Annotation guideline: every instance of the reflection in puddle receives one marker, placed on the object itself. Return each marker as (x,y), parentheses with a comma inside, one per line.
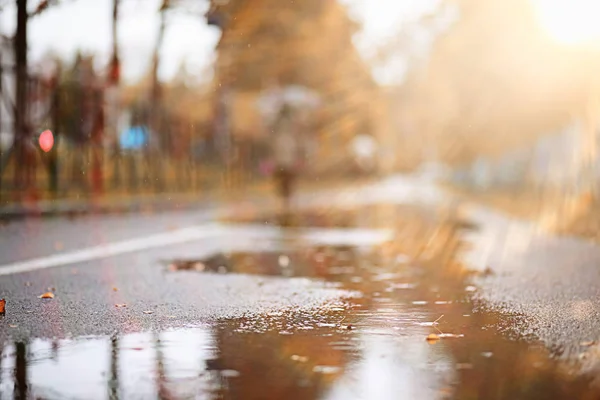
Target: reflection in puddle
(391,369)
(372,346)
(319,261)
(172,364)
(305,354)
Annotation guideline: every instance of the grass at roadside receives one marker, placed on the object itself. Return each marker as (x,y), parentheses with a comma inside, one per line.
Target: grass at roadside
(556,212)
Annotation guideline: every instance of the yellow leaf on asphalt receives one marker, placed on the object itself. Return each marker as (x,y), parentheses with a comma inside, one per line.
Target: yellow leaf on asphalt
(432,337)
(47,295)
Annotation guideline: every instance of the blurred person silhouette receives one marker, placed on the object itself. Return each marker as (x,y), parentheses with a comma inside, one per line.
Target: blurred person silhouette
(286,153)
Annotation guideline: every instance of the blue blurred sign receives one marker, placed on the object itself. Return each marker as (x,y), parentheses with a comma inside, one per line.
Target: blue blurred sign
(134,138)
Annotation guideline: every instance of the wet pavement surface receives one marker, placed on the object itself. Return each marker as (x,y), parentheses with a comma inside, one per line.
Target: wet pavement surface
(333,301)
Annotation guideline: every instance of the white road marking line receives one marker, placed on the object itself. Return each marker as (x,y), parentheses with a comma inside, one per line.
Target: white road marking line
(113,249)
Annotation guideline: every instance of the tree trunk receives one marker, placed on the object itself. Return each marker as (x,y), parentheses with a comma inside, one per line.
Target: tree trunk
(112,98)
(156,94)
(156,138)
(53,157)
(20,111)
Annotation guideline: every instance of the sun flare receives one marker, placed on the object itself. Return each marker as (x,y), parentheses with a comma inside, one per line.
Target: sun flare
(569,22)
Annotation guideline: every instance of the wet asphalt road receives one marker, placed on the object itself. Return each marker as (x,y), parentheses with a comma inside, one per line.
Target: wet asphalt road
(336,306)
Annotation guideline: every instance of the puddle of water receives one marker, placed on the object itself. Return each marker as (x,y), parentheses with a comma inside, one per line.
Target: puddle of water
(379,344)
(170,364)
(374,349)
(304,355)
(333,262)
(374,346)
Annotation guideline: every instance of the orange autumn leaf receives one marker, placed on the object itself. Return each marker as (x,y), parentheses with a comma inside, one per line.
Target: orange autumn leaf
(432,337)
(47,295)
(2,306)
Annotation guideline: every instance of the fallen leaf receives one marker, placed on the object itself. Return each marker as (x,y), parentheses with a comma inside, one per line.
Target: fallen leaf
(115,289)
(120,305)
(13,326)
(47,295)
(148,312)
(432,337)
(2,306)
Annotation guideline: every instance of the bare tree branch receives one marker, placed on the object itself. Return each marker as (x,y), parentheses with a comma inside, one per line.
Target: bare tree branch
(41,7)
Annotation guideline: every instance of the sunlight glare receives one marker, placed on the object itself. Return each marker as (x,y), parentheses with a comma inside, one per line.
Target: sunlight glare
(569,22)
